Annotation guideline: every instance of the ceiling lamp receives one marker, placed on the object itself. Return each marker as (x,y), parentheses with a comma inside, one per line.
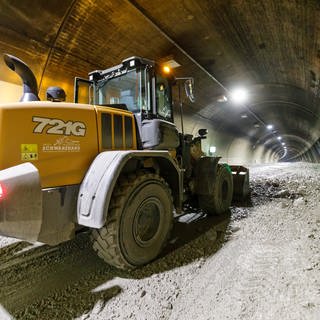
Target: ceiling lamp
(172,64)
(212,149)
(239,95)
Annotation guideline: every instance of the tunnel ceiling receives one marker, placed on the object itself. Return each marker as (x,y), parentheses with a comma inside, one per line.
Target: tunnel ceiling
(270,47)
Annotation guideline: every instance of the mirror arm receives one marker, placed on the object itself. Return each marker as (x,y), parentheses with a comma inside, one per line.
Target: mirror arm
(181,109)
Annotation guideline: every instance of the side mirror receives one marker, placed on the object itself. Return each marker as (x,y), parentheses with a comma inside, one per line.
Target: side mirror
(202,132)
(189,88)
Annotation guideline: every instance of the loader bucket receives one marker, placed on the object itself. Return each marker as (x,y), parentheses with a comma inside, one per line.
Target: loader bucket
(240,176)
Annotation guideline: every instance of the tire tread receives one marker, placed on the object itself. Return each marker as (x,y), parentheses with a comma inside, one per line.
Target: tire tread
(105,241)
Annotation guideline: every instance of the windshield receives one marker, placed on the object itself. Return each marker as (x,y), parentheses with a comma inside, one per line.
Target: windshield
(131,89)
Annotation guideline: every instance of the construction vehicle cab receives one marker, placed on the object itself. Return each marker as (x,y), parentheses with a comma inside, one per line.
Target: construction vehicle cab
(140,86)
(135,83)
(113,162)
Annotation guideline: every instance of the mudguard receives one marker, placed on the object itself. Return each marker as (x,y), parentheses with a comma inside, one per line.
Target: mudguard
(98,184)
(21,204)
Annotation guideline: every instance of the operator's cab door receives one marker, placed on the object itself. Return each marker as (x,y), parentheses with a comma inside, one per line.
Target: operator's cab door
(83,91)
(158,131)
(163,97)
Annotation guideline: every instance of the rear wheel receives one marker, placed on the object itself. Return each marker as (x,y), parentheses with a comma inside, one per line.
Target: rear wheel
(220,200)
(138,222)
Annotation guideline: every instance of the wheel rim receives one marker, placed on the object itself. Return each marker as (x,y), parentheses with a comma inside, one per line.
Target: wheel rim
(147,221)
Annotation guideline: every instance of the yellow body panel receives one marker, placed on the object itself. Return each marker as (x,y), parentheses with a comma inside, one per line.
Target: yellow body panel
(113,114)
(60,139)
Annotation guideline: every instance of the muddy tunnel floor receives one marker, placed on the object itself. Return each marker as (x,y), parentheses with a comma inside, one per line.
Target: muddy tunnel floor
(261,260)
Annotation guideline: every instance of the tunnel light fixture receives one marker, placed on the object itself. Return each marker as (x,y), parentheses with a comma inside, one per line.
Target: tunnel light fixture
(270,126)
(244,116)
(283,143)
(239,95)
(172,64)
(168,65)
(279,138)
(212,149)
(222,98)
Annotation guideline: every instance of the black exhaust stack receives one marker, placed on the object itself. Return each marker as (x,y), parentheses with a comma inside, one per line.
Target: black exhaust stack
(30,87)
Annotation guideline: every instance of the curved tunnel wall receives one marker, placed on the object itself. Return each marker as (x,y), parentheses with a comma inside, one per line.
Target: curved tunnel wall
(234,41)
(231,149)
(312,155)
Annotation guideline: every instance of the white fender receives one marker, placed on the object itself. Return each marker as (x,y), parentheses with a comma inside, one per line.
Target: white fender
(98,184)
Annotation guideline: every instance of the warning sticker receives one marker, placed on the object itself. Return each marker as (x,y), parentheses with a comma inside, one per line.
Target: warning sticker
(29,152)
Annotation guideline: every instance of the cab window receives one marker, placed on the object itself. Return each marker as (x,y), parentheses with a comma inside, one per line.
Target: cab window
(131,89)
(163,97)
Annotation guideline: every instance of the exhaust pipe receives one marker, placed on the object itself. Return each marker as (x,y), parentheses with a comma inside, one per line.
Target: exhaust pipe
(30,86)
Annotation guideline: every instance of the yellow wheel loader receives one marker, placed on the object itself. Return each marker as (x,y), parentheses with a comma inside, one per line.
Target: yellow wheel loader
(112,161)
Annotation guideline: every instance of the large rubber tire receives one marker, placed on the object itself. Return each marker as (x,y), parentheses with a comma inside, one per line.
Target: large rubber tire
(220,200)
(138,223)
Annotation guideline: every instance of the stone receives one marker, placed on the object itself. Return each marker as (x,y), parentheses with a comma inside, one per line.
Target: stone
(298,202)
(282,193)
(143,293)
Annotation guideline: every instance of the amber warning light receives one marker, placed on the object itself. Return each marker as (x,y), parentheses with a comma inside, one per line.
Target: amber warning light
(166,69)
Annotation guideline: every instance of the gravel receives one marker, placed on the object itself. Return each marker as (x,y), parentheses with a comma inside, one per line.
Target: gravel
(259,261)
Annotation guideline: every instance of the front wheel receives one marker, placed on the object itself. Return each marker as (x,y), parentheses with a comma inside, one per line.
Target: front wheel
(220,200)
(138,222)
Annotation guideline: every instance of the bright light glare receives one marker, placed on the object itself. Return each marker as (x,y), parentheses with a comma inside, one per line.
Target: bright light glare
(279,138)
(239,95)
(166,69)
(283,143)
(269,126)
(212,149)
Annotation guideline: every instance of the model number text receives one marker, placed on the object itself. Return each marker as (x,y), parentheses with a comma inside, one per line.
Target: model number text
(57,126)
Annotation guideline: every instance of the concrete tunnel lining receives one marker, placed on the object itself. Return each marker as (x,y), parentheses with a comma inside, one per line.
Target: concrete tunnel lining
(54,40)
(259,260)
